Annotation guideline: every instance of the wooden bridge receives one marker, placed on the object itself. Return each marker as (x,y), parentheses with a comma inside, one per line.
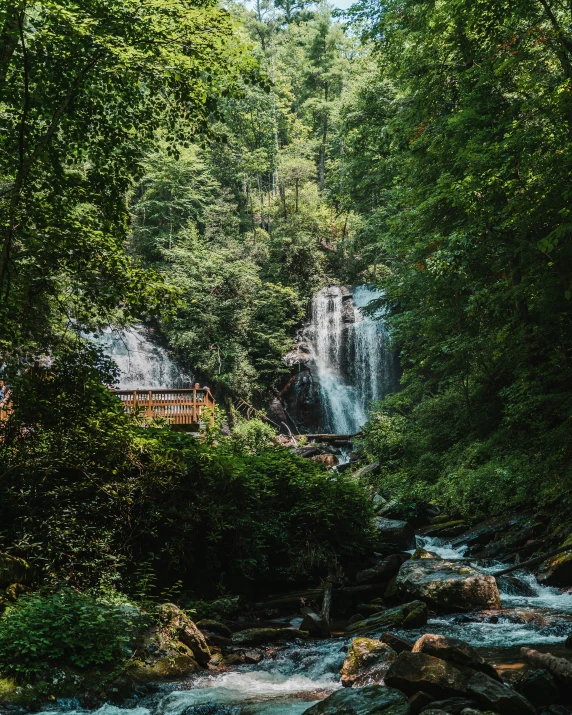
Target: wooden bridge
(184,408)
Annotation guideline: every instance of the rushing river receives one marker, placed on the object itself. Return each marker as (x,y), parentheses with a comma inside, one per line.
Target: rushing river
(291,678)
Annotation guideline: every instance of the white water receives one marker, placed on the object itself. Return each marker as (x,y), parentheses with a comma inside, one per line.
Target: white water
(286,684)
(549,609)
(141,361)
(352,360)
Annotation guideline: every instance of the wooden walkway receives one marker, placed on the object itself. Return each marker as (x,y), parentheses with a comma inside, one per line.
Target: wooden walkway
(185,408)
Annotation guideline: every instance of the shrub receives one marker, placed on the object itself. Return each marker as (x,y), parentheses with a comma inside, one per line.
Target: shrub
(61,629)
(253,435)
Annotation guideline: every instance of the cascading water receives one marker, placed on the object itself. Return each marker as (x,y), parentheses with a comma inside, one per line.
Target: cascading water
(141,361)
(352,362)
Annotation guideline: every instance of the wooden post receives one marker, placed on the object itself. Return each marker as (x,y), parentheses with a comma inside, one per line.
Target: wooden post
(195,409)
(328,589)
(134,408)
(150,405)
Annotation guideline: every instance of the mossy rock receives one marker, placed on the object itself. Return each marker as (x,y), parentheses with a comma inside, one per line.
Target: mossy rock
(408,615)
(366,662)
(14,570)
(447,585)
(165,668)
(557,571)
(216,627)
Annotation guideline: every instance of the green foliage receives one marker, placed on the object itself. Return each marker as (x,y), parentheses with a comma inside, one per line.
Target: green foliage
(458,146)
(99,502)
(84,89)
(254,435)
(61,629)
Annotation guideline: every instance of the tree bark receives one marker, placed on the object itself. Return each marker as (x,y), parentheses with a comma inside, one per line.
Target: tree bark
(9,39)
(535,560)
(322,173)
(566,44)
(560,668)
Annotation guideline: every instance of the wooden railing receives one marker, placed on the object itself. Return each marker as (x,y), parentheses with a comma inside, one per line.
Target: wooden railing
(179,407)
(4,407)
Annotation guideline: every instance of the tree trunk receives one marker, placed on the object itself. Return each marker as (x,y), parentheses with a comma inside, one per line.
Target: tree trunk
(322,173)
(9,39)
(560,668)
(534,561)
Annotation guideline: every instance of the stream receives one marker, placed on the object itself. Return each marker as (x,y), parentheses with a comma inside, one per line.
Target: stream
(291,678)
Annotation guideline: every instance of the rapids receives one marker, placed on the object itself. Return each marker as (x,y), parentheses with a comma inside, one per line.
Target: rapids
(292,678)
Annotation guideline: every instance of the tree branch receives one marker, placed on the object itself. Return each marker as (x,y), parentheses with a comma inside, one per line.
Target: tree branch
(564,41)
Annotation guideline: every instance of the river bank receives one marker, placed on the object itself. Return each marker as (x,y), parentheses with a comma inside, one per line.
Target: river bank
(263,661)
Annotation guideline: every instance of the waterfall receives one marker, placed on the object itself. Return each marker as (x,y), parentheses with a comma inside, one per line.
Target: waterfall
(141,361)
(351,358)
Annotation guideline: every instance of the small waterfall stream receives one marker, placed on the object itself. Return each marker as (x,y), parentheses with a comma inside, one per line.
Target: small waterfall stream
(352,362)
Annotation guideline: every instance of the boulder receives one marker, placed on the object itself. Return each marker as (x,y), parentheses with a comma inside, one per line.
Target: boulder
(173,666)
(383,571)
(259,636)
(419,701)
(412,672)
(328,460)
(454,651)
(180,626)
(368,469)
(366,662)
(421,553)
(216,627)
(394,534)
(568,642)
(252,657)
(492,695)
(452,706)
(371,700)
(538,687)
(370,609)
(408,615)
(446,585)
(398,644)
(316,625)
(378,502)
(557,571)
(170,648)
(307,452)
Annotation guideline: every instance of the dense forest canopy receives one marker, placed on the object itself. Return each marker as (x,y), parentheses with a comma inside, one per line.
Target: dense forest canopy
(206,169)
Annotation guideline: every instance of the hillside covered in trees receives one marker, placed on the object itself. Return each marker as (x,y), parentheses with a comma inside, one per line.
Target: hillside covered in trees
(206,169)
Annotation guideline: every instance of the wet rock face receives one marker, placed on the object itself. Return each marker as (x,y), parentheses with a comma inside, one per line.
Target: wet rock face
(454,651)
(491,695)
(171,649)
(414,672)
(371,700)
(394,533)
(259,636)
(557,571)
(447,585)
(383,571)
(453,706)
(182,628)
(316,625)
(408,615)
(539,687)
(366,662)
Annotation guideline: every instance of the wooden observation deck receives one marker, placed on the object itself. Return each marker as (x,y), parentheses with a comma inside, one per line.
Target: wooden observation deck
(186,408)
